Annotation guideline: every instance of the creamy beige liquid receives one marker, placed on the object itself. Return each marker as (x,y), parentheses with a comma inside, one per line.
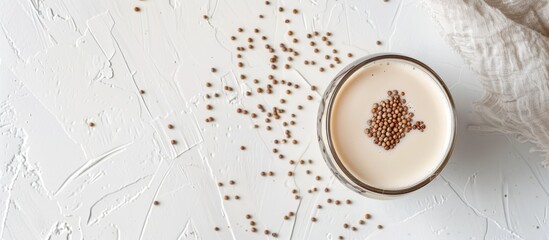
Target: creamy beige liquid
(418,154)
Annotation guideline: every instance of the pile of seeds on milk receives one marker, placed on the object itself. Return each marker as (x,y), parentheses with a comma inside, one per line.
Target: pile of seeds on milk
(391,120)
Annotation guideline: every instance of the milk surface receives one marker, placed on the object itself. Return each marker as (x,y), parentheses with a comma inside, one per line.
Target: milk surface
(418,154)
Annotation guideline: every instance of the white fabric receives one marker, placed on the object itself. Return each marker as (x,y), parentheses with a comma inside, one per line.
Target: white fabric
(506,42)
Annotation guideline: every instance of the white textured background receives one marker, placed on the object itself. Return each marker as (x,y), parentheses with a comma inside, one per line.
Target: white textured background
(66,63)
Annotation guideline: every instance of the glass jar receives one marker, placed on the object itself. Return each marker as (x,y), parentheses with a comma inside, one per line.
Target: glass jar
(326,145)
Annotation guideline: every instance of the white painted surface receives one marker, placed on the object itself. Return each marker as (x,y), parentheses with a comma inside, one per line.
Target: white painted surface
(65,63)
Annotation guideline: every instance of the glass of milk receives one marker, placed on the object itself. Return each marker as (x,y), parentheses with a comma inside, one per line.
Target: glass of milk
(345,109)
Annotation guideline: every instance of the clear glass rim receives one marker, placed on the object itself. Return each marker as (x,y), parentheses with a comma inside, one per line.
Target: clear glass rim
(324,117)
